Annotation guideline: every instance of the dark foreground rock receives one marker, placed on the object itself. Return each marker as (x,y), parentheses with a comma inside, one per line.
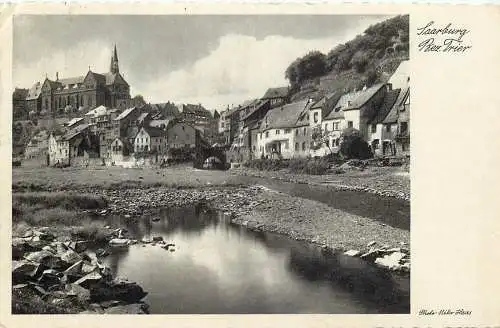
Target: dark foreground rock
(67,278)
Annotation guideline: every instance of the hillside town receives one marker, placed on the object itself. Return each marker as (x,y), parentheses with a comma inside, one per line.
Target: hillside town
(92,118)
(287,192)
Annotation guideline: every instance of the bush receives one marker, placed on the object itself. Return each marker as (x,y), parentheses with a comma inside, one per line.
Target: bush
(353,146)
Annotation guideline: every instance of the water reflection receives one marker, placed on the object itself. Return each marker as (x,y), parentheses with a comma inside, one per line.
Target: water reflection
(223,268)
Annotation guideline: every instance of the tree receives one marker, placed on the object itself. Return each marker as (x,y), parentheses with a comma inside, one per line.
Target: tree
(320,137)
(139,100)
(353,145)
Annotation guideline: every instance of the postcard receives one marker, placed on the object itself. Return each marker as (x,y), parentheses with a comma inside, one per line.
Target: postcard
(250,165)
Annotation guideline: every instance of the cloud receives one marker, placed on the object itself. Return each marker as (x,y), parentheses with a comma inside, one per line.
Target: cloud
(240,68)
(74,61)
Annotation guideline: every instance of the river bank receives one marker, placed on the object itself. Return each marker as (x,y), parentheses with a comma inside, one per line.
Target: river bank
(75,207)
(383,181)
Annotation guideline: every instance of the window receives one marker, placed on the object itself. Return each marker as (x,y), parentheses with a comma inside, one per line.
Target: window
(326,127)
(304,145)
(404,127)
(374,128)
(388,128)
(308,117)
(277,131)
(287,130)
(350,124)
(336,126)
(267,134)
(315,115)
(337,142)
(297,132)
(304,131)
(286,144)
(296,146)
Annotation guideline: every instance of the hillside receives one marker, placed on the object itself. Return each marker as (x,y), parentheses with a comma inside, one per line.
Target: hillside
(365,60)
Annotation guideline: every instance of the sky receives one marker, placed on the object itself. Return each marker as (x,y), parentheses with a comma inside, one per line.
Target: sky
(213,60)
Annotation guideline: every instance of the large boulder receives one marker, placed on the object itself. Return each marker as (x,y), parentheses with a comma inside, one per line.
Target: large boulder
(47,259)
(119,242)
(128,292)
(23,271)
(50,278)
(70,257)
(89,280)
(76,290)
(391,261)
(20,246)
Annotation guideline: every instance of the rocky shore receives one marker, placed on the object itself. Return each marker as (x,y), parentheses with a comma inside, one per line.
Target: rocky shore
(258,208)
(53,276)
(386,185)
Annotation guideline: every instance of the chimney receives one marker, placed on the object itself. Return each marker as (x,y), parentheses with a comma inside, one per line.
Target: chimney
(57,76)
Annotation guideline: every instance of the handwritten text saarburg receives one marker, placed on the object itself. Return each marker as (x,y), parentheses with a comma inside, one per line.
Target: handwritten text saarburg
(445,38)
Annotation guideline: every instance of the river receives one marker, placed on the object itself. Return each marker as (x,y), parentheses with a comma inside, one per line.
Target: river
(220,268)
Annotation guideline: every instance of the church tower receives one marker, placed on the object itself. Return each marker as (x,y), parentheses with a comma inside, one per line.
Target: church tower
(114,62)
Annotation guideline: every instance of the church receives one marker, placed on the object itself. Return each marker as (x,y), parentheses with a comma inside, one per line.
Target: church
(54,97)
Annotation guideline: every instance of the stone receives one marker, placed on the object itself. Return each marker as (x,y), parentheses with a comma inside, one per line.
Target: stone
(49,278)
(371,255)
(146,240)
(89,267)
(136,308)
(352,252)
(119,242)
(157,238)
(76,290)
(75,269)
(101,252)
(370,244)
(89,280)
(70,257)
(79,246)
(390,261)
(23,271)
(128,292)
(20,246)
(107,304)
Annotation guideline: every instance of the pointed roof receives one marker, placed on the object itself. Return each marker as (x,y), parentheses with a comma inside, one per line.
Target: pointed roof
(280,92)
(359,98)
(115,54)
(389,101)
(285,116)
(392,116)
(35,91)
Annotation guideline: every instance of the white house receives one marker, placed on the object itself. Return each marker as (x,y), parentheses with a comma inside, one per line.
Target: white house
(150,139)
(284,132)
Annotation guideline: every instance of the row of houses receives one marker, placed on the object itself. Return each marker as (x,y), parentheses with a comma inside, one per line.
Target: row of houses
(114,135)
(272,126)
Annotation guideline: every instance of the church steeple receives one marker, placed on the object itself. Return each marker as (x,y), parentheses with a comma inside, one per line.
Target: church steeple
(114,62)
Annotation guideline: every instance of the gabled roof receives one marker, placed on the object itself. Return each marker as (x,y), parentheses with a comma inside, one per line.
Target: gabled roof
(327,103)
(73,121)
(255,106)
(400,78)
(74,132)
(196,109)
(280,92)
(142,117)
(126,144)
(35,91)
(389,101)
(125,113)
(71,80)
(359,98)
(159,123)
(98,111)
(285,116)
(154,132)
(392,116)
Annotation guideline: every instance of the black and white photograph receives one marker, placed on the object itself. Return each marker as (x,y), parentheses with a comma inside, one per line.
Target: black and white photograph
(211,164)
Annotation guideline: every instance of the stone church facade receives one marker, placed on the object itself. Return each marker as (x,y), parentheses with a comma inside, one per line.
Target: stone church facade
(84,92)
